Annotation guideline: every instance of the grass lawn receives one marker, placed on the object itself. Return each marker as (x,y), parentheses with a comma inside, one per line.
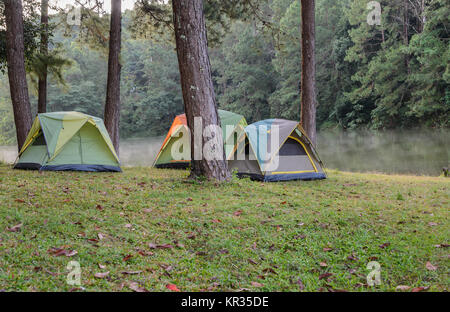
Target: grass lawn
(151,228)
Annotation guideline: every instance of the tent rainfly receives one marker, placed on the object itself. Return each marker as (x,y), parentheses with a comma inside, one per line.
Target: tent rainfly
(175,151)
(292,157)
(62,141)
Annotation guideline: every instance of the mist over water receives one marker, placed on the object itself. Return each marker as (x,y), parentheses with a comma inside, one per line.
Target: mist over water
(140,152)
(418,152)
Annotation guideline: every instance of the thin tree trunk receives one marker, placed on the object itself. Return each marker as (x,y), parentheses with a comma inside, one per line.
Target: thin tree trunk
(406,32)
(112,105)
(42,92)
(308,83)
(405,22)
(422,16)
(197,86)
(16,69)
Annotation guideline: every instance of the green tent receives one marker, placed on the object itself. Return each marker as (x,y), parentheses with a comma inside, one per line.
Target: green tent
(175,151)
(68,141)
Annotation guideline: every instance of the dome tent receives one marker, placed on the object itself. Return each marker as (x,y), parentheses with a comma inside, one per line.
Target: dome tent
(178,140)
(293,157)
(68,141)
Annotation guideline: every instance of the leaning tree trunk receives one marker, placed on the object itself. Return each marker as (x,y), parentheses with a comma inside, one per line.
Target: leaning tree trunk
(112,106)
(16,69)
(197,87)
(42,85)
(308,83)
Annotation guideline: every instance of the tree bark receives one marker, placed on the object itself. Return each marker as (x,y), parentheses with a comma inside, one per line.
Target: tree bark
(405,22)
(197,86)
(16,69)
(42,85)
(308,83)
(422,16)
(112,105)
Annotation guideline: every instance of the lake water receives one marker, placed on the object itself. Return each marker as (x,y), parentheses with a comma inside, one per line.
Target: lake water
(420,152)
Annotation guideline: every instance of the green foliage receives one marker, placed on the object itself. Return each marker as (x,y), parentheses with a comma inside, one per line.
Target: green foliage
(244,75)
(153,18)
(401,65)
(430,79)
(285,101)
(32,29)
(7,129)
(52,63)
(367,76)
(152,92)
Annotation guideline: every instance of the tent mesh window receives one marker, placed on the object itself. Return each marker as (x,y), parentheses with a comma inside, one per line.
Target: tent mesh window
(39,140)
(292,148)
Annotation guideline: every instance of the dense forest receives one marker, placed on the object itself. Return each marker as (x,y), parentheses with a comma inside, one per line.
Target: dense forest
(393,75)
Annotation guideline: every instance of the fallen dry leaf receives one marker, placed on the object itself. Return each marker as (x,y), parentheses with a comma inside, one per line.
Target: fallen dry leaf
(323,264)
(402,287)
(135,286)
(326,249)
(419,289)
(127,257)
(71,253)
(15,228)
(157,246)
(384,245)
(131,272)
(101,275)
(165,246)
(172,287)
(237,213)
(430,267)
(256,284)
(269,270)
(325,275)
(62,252)
(300,284)
(145,253)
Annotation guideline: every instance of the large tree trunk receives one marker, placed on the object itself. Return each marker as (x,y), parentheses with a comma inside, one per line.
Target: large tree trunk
(42,92)
(16,69)
(197,86)
(112,105)
(308,83)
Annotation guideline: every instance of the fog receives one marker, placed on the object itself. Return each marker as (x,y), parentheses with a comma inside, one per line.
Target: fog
(140,152)
(419,152)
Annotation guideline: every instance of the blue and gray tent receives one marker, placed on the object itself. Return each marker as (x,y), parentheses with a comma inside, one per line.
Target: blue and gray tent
(276,150)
